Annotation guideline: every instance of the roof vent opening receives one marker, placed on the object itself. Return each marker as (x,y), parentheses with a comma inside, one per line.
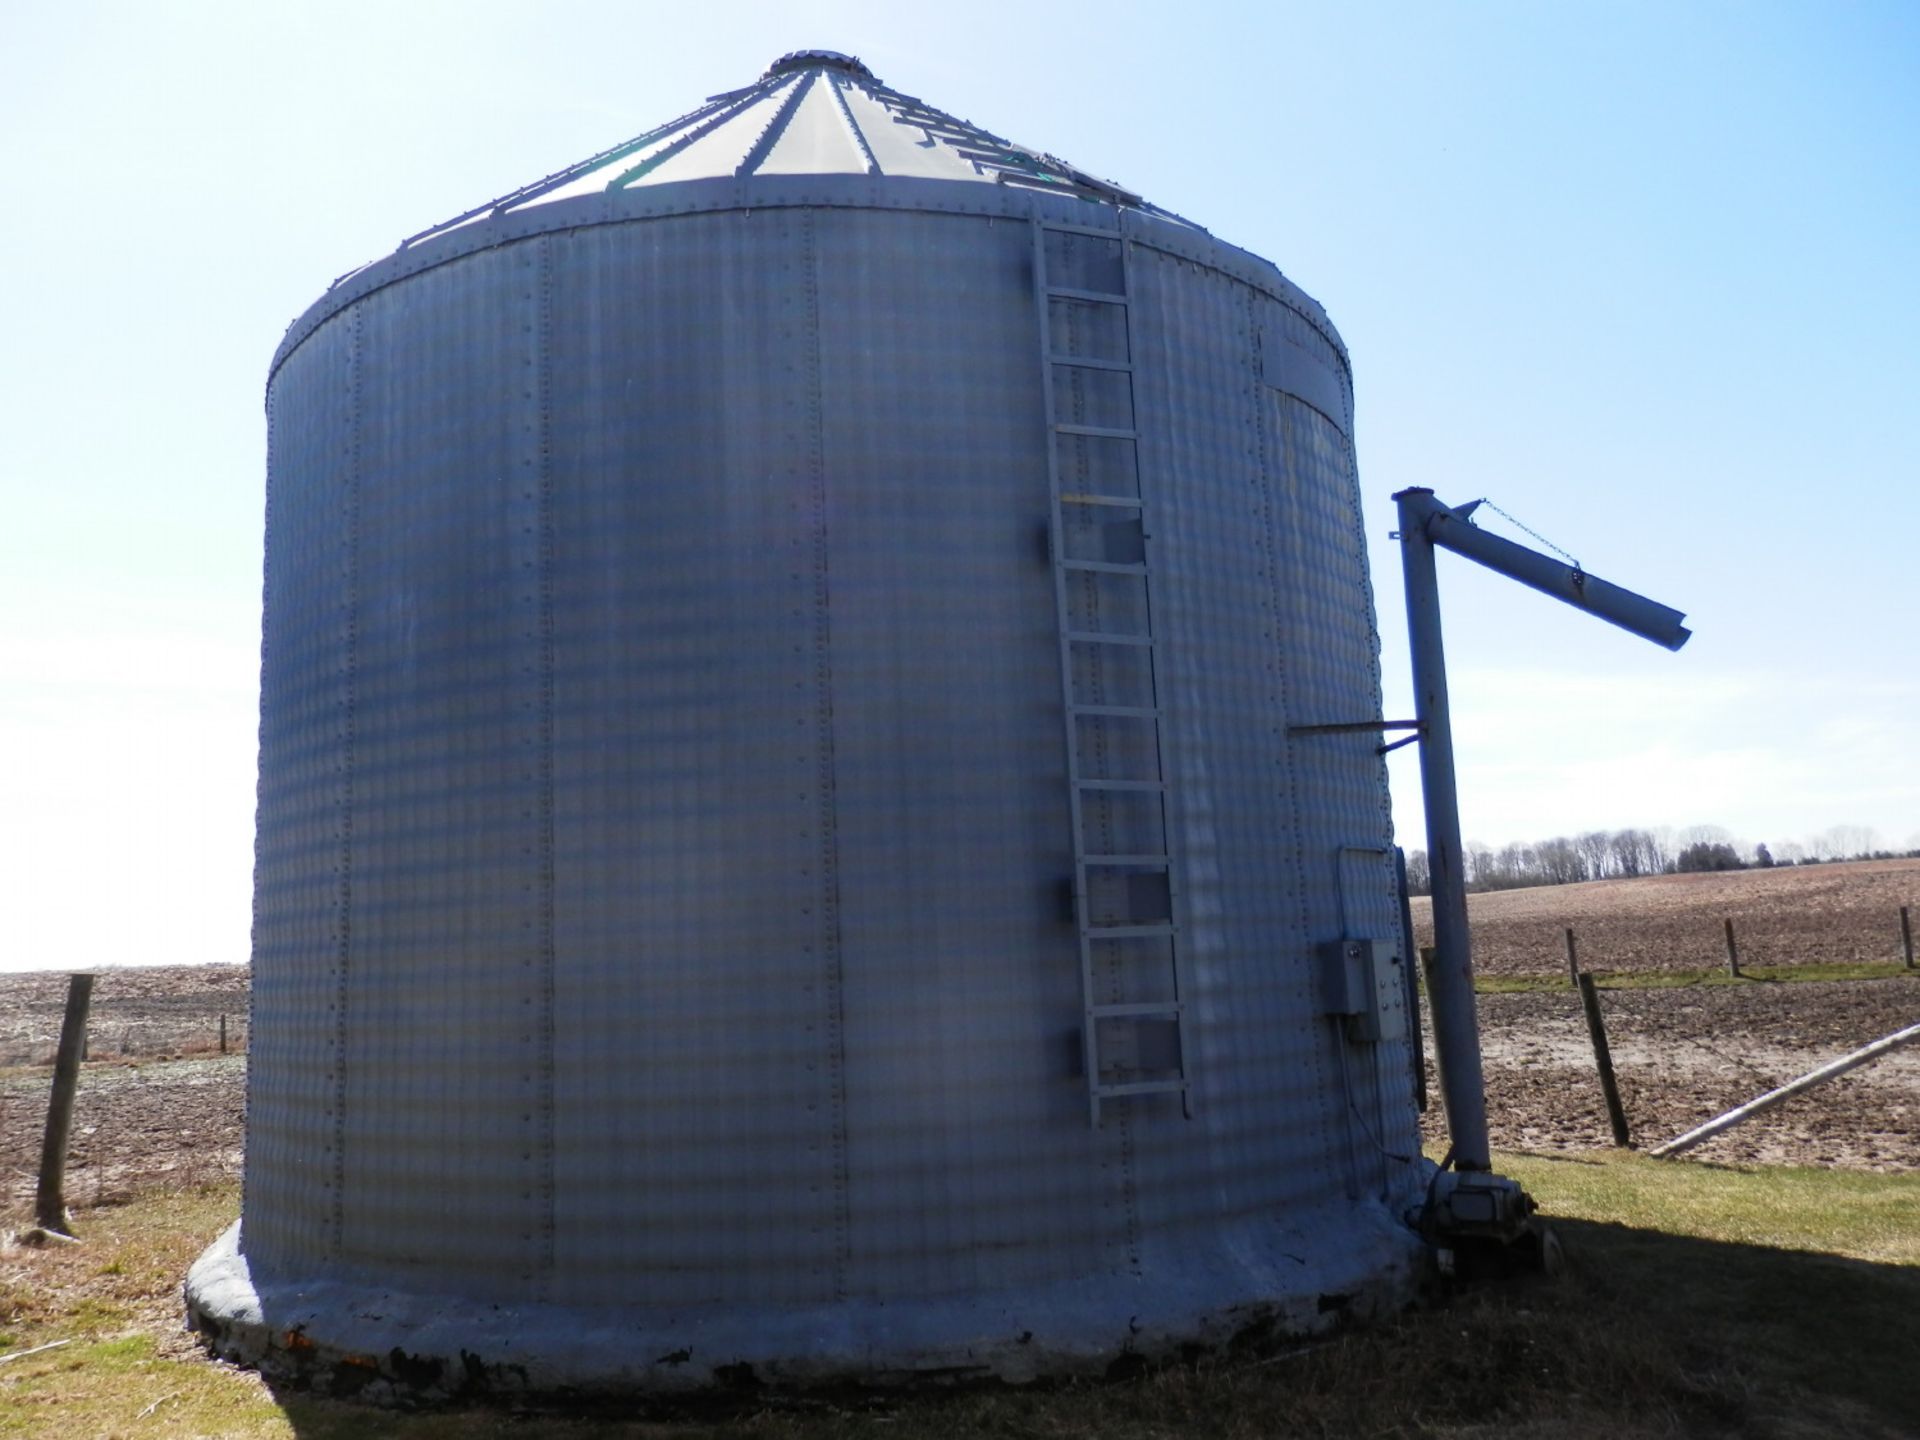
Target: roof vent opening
(817,60)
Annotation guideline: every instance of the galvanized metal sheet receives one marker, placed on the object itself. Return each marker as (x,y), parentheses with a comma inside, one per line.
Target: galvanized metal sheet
(904,150)
(664,812)
(707,151)
(698,1119)
(812,114)
(817,139)
(1299,371)
(703,815)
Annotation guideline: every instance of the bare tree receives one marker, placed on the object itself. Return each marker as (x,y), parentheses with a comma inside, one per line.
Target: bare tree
(1660,849)
(1477,862)
(1596,849)
(1845,842)
(1559,862)
(1626,852)
(1603,854)
(1419,873)
(1638,852)
(1703,835)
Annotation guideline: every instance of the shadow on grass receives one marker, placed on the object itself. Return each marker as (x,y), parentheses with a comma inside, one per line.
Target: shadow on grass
(1646,1334)
(1823,1325)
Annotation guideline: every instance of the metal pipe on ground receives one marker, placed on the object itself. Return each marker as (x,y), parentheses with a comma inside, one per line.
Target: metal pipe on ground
(1832,1069)
(50,1201)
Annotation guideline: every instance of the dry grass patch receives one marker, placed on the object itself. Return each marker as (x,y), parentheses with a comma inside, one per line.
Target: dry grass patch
(128,1368)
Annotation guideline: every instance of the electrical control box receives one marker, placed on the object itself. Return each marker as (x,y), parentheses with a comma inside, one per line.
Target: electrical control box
(1364,982)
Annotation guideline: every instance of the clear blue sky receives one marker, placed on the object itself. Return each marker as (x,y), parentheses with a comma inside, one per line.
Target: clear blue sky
(1647,275)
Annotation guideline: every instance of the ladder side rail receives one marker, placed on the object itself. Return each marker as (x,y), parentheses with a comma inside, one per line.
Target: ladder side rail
(1155,683)
(1056,539)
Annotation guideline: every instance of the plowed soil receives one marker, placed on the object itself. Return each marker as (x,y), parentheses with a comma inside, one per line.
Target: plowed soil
(1684,1055)
(134,1126)
(157,1102)
(1803,914)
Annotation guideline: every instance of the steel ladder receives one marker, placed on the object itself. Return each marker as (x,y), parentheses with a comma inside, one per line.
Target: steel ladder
(1124,894)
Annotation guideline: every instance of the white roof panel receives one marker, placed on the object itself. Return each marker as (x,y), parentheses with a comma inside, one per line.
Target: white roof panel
(904,149)
(814,112)
(817,139)
(710,150)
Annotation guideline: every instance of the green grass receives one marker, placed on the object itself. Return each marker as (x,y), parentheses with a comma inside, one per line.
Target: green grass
(1857,1214)
(1676,979)
(1698,1300)
(1811,1276)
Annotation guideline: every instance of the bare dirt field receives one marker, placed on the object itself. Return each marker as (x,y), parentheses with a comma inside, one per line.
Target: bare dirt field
(1684,1055)
(157,1101)
(163,1010)
(134,1126)
(1803,914)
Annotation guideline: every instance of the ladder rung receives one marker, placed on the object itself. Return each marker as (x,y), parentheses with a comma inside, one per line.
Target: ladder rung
(1107,637)
(1159,930)
(1087,362)
(1123,860)
(1099,297)
(1121,784)
(1121,1012)
(1107,567)
(1125,712)
(1106,432)
(1142,1087)
(1080,497)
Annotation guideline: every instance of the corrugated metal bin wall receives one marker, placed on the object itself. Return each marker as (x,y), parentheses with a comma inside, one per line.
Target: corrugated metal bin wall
(664,822)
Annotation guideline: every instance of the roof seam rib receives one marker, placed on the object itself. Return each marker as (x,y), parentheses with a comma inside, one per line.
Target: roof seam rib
(561,177)
(667,152)
(777,126)
(999,152)
(892,135)
(835,86)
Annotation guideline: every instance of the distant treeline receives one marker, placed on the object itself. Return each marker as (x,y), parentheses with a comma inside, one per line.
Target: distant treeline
(1624,854)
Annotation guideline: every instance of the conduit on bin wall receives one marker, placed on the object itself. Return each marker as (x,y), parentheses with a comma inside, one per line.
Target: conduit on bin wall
(779,844)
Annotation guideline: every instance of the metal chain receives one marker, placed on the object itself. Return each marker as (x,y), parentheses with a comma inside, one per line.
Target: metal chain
(1534,533)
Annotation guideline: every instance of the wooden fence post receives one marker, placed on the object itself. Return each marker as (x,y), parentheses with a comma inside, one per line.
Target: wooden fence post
(1573,962)
(1603,1061)
(223,1034)
(1906,936)
(1733,953)
(50,1201)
